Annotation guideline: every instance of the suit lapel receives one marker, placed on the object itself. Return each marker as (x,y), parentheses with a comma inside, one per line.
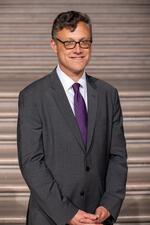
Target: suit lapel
(64,106)
(92,108)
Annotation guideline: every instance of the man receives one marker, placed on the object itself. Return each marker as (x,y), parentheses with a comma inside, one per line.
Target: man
(71,144)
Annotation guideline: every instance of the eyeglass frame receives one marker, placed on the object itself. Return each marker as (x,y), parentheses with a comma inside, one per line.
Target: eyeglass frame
(75,43)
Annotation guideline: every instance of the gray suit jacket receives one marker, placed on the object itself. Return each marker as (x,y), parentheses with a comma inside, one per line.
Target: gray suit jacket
(62,174)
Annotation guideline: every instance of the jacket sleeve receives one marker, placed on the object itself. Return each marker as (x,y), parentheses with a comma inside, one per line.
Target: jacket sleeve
(40,180)
(117,166)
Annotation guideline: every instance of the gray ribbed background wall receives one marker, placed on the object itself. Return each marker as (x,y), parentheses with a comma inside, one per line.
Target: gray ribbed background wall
(121,56)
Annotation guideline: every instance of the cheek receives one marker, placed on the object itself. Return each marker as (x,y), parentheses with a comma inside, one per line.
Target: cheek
(89,52)
(64,56)
(88,55)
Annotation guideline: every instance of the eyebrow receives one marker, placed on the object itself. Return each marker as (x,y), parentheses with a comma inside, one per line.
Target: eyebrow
(81,39)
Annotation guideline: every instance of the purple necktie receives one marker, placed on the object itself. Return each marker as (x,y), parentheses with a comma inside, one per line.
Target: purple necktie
(80,111)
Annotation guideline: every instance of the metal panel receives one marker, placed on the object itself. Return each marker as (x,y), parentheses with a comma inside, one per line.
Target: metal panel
(121,56)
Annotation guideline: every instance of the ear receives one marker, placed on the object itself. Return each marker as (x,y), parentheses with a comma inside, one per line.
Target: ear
(53,45)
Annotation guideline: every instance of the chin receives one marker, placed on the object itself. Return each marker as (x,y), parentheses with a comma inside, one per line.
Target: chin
(78,72)
(78,67)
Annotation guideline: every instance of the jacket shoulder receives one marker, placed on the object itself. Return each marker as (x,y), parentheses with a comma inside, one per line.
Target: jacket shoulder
(37,87)
(101,84)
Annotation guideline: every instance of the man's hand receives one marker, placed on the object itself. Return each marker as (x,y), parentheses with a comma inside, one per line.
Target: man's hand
(82,217)
(102,213)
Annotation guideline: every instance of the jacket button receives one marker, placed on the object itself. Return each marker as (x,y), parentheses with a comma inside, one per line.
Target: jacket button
(87,168)
(82,193)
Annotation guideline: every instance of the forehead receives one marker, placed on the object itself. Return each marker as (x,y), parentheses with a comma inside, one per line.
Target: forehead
(82,31)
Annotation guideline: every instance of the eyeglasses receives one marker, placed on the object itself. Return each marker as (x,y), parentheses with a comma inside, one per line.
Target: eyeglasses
(72,44)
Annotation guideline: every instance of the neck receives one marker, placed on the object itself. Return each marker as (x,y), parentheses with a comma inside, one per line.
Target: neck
(75,76)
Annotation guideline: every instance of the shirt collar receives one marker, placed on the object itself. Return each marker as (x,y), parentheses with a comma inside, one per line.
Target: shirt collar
(67,82)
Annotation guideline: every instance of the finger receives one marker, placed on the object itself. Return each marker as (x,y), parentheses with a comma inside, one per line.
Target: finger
(85,220)
(103,216)
(94,223)
(100,212)
(91,216)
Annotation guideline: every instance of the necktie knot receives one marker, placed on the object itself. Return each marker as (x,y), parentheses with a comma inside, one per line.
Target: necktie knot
(76,87)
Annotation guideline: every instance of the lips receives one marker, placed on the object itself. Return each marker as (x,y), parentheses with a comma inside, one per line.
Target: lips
(77,57)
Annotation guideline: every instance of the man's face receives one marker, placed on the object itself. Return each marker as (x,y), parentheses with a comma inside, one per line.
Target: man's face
(73,61)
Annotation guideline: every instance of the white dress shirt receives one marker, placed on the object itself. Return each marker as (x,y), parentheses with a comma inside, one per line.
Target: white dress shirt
(67,83)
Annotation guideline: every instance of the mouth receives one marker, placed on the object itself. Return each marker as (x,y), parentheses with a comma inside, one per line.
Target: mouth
(77,57)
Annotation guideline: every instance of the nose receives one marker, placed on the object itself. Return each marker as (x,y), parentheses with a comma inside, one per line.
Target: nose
(77,48)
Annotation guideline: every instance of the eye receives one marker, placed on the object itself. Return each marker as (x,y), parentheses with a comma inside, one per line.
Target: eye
(86,42)
(68,43)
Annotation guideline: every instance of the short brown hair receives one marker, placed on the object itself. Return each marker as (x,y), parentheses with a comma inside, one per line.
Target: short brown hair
(69,20)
